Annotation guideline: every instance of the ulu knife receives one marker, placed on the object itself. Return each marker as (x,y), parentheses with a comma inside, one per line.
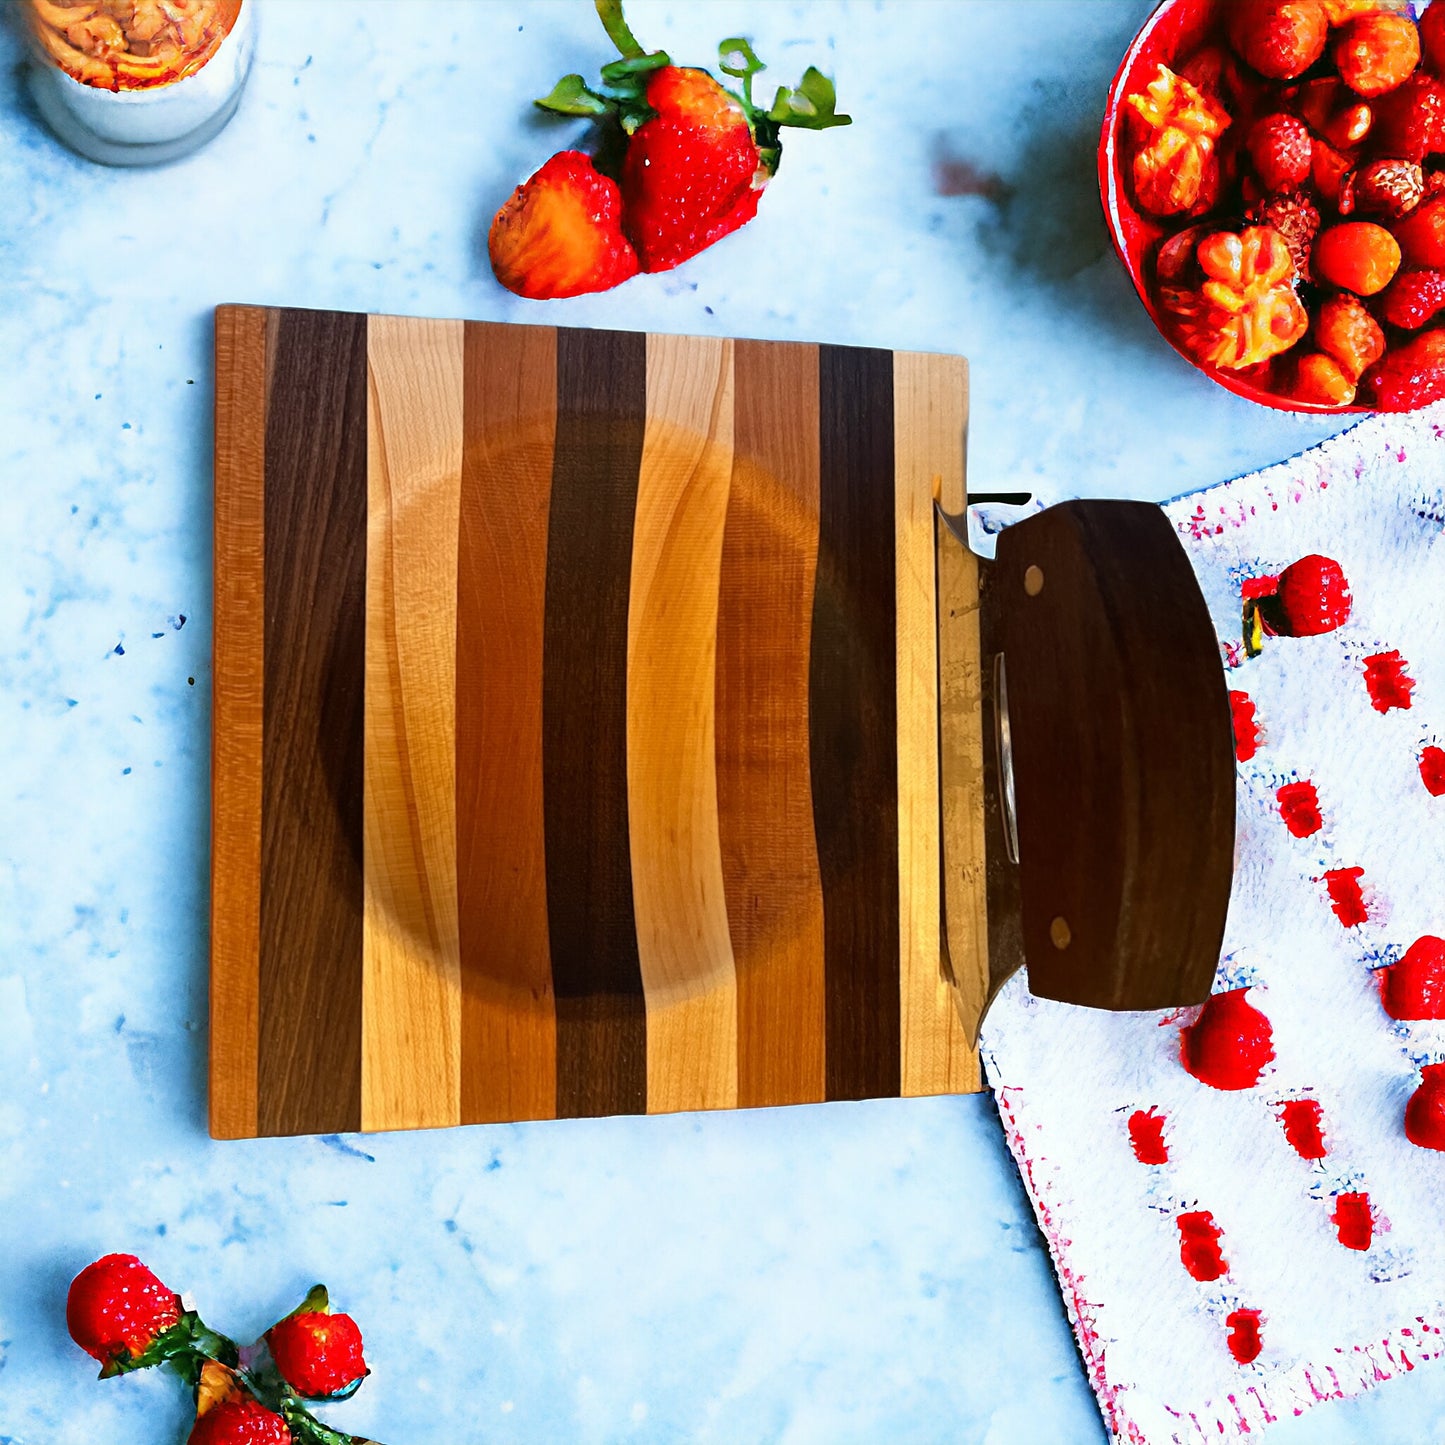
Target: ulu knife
(1087,761)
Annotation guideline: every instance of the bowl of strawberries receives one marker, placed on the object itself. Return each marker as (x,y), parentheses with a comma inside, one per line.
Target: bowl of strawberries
(1273,178)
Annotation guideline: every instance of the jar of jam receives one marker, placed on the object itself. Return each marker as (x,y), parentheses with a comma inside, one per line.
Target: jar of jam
(138,82)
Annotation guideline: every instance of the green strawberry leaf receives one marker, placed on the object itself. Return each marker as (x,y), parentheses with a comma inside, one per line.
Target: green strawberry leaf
(620,72)
(317,1302)
(737,58)
(185,1346)
(811,105)
(571,96)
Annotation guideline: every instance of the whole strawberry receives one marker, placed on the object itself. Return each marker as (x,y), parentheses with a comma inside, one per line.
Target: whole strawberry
(1229,1044)
(1414,988)
(1313,597)
(117,1310)
(1280,147)
(560,233)
(240,1420)
(693,173)
(1411,375)
(318,1353)
(1425,1113)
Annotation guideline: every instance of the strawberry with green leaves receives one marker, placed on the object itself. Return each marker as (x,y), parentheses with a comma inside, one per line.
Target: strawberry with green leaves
(121,1314)
(692,157)
(316,1352)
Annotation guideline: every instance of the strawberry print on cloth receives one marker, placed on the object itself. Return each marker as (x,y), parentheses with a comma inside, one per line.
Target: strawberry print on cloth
(1243,1201)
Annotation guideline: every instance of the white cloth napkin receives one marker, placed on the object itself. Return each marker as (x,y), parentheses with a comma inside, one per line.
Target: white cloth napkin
(1332,1320)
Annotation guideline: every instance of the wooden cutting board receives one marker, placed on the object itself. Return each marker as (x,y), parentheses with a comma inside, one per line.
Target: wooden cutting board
(576,723)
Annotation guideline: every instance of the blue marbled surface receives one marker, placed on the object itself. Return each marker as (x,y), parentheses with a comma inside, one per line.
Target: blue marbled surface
(842,1273)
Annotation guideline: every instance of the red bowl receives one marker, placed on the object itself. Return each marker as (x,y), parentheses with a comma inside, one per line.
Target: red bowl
(1171,35)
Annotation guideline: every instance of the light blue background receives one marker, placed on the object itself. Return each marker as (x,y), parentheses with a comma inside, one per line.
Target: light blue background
(842,1273)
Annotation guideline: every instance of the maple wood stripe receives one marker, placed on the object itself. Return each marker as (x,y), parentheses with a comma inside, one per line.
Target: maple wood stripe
(930,403)
(765,807)
(509,1033)
(411,986)
(852,721)
(236,727)
(684,950)
(311,812)
(596,973)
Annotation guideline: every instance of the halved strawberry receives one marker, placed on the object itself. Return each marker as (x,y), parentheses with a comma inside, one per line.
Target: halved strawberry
(560,233)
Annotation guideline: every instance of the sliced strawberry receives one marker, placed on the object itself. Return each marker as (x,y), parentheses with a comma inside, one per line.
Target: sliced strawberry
(560,233)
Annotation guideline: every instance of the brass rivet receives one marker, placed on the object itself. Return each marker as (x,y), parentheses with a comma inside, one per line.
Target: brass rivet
(1034,581)
(1059,933)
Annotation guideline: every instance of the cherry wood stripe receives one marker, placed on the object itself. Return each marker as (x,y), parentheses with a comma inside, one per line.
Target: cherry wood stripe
(930,411)
(684,950)
(765,807)
(852,722)
(596,973)
(309,1056)
(509,1033)
(411,1017)
(236,706)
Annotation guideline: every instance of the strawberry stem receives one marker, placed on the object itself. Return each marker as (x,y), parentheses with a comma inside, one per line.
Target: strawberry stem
(609,12)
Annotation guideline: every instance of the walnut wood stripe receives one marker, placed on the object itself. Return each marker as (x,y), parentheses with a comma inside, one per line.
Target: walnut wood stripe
(684,950)
(236,706)
(309,1056)
(509,1033)
(852,722)
(765,806)
(596,974)
(411,1017)
(929,415)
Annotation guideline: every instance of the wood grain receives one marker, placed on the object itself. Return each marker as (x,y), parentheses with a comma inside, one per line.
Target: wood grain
(930,412)
(578,742)
(1123,757)
(509,1032)
(596,973)
(309,1056)
(852,718)
(765,809)
(684,950)
(411,1020)
(237,710)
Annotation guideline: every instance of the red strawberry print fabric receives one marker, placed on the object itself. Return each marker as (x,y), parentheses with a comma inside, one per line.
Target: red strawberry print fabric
(1242,1201)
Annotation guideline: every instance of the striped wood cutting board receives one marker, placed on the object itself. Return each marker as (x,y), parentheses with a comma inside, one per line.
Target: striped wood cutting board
(575,725)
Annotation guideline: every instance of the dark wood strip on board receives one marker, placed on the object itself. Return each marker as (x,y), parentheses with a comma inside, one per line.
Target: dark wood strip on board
(765,807)
(852,721)
(236,704)
(509,1034)
(596,973)
(311,878)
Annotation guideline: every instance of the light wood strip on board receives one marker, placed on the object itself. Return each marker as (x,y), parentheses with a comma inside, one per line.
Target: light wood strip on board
(509,1030)
(236,704)
(765,805)
(412,986)
(930,413)
(678,893)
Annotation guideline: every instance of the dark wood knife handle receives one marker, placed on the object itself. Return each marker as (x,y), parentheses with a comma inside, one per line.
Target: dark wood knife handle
(1123,756)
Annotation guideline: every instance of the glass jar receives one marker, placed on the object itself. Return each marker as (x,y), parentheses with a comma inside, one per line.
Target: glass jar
(139,82)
